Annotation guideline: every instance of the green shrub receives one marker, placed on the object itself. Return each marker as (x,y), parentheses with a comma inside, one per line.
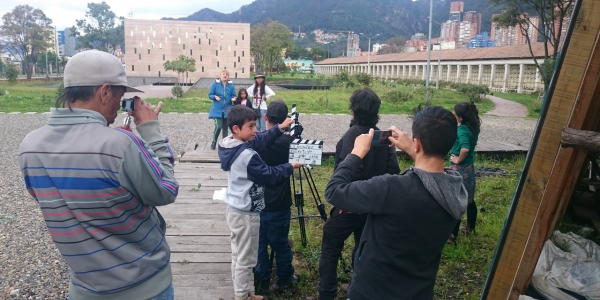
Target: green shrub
(364,79)
(177,91)
(11,74)
(474,92)
(60,90)
(421,91)
(397,97)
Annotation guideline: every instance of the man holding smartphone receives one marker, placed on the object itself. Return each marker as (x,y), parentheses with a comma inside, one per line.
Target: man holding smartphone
(364,104)
(98,187)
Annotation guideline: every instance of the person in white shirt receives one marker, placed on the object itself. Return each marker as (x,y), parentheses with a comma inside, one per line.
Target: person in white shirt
(259,92)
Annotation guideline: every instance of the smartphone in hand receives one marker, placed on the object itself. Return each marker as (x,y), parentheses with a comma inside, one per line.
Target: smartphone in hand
(381,138)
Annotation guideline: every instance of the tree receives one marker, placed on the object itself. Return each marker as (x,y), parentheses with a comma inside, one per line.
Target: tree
(394,45)
(62,61)
(42,63)
(318,53)
(26,32)
(267,42)
(298,53)
(102,30)
(181,65)
(11,73)
(552,14)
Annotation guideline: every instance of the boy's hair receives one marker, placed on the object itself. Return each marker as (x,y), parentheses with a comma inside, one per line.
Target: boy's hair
(435,127)
(277,111)
(364,104)
(239,115)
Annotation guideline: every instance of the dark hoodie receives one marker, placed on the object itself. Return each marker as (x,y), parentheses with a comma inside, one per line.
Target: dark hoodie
(247,173)
(411,216)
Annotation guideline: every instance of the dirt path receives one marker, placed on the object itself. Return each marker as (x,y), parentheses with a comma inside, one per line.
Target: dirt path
(155,91)
(507,108)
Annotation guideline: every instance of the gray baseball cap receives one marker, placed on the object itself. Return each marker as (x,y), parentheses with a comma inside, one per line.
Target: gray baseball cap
(95,68)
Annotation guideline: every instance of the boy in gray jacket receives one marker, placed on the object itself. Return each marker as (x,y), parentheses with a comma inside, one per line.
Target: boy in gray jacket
(247,175)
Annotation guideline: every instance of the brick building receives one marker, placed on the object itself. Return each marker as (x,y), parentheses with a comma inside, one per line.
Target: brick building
(214,45)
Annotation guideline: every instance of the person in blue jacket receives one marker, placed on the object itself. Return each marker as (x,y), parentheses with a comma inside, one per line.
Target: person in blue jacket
(222,93)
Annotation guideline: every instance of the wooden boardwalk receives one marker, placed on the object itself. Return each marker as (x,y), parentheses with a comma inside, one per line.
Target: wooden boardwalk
(197,230)
(198,235)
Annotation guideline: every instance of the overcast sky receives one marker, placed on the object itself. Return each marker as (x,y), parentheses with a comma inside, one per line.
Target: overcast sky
(64,12)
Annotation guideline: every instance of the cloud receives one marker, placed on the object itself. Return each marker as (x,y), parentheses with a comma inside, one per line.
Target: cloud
(64,12)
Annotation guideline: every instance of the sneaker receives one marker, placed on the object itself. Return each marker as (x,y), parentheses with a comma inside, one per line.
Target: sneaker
(345,287)
(282,287)
(264,288)
(213,146)
(252,297)
(451,240)
(467,230)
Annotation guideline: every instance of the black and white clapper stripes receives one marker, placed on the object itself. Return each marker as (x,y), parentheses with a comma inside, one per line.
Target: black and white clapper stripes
(309,152)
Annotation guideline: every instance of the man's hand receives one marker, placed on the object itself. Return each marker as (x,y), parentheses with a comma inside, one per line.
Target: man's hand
(402,141)
(217,98)
(144,111)
(362,144)
(454,159)
(233,99)
(297,165)
(286,123)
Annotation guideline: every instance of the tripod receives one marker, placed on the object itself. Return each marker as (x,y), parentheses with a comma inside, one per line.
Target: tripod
(299,200)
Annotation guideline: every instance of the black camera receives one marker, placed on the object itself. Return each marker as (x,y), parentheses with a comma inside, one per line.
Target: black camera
(296,128)
(127,104)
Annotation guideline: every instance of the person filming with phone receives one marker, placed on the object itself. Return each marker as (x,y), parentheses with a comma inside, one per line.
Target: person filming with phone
(98,187)
(409,215)
(364,104)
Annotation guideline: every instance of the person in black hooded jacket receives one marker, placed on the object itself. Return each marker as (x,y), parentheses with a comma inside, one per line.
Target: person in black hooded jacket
(364,104)
(410,215)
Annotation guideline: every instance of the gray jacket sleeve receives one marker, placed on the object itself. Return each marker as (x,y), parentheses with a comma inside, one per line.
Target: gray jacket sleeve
(147,167)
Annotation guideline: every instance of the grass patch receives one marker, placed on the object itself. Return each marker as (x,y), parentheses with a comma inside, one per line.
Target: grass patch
(463,268)
(335,100)
(529,100)
(40,96)
(28,97)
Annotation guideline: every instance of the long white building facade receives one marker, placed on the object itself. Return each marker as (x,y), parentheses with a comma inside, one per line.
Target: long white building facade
(502,69)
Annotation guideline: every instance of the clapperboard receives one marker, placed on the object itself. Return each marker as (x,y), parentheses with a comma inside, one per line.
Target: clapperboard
(307,151)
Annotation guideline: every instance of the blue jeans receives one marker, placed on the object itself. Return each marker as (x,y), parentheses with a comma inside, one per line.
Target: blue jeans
(261,124)
(274,230)
(167,294)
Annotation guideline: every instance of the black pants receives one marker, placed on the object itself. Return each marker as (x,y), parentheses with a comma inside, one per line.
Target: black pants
(220,124)
(335,232)
(471,218)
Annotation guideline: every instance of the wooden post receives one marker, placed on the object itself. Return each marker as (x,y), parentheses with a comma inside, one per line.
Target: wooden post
(552,174)
(580,139)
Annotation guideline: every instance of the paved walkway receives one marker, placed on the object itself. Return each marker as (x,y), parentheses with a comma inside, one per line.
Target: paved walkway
(155,91)
(507,108)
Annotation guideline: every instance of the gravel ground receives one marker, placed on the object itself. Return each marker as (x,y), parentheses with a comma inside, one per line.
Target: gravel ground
(30,265)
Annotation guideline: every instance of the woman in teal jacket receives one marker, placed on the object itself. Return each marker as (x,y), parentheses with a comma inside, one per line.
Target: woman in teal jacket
(222,93)
(462,156)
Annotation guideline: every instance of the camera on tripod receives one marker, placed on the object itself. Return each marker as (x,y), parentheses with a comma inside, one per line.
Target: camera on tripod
(309,152)
(295,130)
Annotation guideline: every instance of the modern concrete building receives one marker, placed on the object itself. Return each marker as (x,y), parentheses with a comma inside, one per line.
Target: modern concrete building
(508,68)
(69,42)
(514,35)
(215,46)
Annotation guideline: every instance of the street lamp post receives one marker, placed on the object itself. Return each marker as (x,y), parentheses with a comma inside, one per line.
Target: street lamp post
(369,51)
(429,53)
(437,82)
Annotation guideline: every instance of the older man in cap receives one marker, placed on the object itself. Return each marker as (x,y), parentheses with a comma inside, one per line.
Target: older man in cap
(98,187)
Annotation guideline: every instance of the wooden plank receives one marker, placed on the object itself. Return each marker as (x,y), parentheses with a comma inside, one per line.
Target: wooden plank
(201,257)
(535,211)
(199,243)
(191,145)
(216,293)
(201,268)
(180,209)
(208,225)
